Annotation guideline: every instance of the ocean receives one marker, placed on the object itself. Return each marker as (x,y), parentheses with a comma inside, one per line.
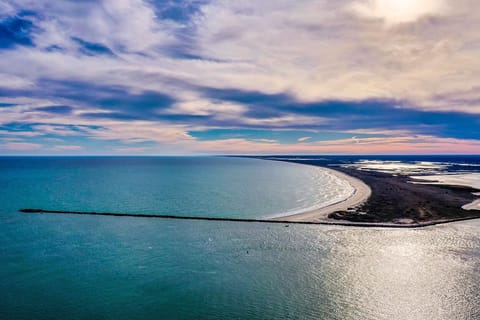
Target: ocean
(189,186)
(87,267)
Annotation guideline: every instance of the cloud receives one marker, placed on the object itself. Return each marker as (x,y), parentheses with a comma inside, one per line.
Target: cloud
(104,73)
(124,25)
(398,11)
(204,107)
(404,145)
(133,150)
(8,81)
(20,146)
(60,130)
(66,148)
(19,133)
(303,139)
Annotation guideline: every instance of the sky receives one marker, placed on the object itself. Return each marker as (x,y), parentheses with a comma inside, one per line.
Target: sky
(180,77)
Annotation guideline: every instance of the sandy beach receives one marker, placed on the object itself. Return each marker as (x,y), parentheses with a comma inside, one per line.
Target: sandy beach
(391,200)
(360,194)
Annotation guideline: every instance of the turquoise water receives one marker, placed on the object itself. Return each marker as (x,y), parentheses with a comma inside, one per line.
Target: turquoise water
(90,267)
(198,186)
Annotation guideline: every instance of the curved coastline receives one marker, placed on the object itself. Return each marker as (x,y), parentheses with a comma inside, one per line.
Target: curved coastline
(361,193)
(377,200)
(391,201)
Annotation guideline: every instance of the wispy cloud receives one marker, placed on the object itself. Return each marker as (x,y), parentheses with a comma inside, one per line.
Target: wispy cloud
(20,146)
(66,148)
(303,139)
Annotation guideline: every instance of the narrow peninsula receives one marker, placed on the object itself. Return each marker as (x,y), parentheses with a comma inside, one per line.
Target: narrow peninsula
(395,200)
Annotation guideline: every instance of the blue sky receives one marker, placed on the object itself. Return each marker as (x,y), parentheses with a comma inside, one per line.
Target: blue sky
(239,77)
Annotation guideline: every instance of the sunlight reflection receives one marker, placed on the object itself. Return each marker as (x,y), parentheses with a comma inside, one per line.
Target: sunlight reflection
(398,279)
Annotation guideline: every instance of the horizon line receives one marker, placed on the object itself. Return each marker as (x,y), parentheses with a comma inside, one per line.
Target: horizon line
(237,155)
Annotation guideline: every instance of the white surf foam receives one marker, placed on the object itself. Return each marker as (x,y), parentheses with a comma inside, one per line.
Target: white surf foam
(326,189)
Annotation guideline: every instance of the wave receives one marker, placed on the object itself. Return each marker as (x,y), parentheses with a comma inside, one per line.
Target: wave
(329,189)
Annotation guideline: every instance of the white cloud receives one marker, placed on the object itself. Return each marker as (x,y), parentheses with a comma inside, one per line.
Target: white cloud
(398,11)
(141,131)
(303,139)
(67,148)
(14,82)
(20,146)
(202,107)
(131,24)
(122,25)
(6,8)
(59,130)
(19,133)
(283,121)
(132,150)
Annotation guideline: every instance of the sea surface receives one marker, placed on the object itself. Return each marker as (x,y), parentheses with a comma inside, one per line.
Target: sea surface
(96,267)
(187,186)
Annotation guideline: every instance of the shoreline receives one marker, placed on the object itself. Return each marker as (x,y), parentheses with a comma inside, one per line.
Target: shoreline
(361,193)
(474,205)
(454,181)
(394,201)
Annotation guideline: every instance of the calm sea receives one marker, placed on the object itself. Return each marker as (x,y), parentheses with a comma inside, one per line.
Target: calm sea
(93,267)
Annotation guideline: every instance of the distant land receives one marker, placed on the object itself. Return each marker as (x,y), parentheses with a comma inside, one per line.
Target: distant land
(396,198)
